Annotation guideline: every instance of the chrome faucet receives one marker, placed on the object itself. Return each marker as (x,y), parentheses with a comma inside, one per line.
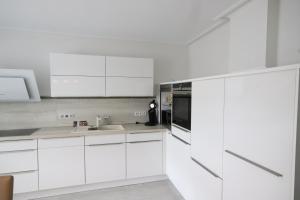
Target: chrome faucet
(102,120)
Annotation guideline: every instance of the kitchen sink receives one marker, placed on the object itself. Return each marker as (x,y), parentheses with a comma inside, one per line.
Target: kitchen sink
(107,128)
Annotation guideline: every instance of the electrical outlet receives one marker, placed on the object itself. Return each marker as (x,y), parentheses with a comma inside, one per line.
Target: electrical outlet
(140,113)
(66,116)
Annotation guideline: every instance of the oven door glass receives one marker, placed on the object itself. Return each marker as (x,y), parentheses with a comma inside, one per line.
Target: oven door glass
(182,110)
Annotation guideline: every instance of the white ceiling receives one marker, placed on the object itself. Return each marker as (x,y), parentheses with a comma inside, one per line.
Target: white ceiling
(167,21)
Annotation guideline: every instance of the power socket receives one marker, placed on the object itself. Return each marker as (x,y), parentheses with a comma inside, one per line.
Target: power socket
(66,116)
(140,113)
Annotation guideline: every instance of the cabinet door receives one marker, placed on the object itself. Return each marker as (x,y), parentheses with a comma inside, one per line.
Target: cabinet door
(105,162)
(125,86)
(25,181)
(61,167)
(129,67)
(207,123)
(243,180)
(144,159)
(204,185)
(77,86)
(177,164)
(77,65)
(260,118)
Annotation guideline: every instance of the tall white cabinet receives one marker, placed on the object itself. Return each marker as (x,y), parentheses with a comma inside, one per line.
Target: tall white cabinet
(260,124)
(243,138)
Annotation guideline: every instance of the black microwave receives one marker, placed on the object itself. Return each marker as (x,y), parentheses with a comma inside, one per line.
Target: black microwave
(181,107)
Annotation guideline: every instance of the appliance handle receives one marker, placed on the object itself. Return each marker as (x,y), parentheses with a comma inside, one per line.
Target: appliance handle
(254,163)
(205,168)
(145,141)
(106,144)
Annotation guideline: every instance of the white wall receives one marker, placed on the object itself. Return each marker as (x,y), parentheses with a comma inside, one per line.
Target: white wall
(30,50)
(209,55)
(287,43)
(289,32)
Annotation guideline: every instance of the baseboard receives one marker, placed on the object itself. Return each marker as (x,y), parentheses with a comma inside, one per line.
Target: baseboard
(82,188)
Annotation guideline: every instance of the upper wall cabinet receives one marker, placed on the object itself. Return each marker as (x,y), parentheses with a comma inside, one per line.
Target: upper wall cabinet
(129,67)
(77,75)
(77,65)
(95,76)
(129,76)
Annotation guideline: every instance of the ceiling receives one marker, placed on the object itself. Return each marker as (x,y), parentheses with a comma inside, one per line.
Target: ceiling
(164,21)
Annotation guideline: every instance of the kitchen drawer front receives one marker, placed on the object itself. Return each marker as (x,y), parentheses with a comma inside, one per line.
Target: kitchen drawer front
(19,161)
(60,142)
(25,182)
(77,86)
(18,145)
(144,159)
(104,139)
(144,136)
(182,134)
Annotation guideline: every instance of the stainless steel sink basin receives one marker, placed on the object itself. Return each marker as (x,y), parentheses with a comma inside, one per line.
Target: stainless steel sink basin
(107,128)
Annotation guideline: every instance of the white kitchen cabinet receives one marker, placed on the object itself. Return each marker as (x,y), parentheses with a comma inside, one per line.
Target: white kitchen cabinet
(243,180)
(129,86)
(203,184)
(129,67)
(19,159)
(260,118)
(144,158)
(207,123)
(25,181)
(178,164)
(61,166)
(77,65)
(105,158)
(77,86)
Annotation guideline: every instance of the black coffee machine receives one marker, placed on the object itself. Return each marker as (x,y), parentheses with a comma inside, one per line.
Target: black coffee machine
(152,113)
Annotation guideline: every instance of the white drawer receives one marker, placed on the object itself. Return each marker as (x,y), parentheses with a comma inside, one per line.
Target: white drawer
(18,161)
(46,143)
(18,145)
(104,139)
(144,136)
(182,134)
(25,182)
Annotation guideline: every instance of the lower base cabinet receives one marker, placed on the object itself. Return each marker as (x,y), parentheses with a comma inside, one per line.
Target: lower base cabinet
(243,180)
(105,162)
(61,167)
(144,158)
(204,186)
(177,164)
(25,182)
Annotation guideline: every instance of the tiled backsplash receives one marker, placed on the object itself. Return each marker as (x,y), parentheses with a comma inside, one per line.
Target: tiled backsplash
(46,113)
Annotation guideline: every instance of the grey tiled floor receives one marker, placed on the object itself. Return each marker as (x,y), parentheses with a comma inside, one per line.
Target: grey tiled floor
(160,190)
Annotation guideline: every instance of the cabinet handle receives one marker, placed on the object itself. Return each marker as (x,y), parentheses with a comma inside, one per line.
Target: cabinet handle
(205,168)
(134,133)
(94,145)
(134,142)
(52,138)
(254,163)
(19,172)
(181,140)
(15,151)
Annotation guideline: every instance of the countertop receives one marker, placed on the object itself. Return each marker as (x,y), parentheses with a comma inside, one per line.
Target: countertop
(67,131)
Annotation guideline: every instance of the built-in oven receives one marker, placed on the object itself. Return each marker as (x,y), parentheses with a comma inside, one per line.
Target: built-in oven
(181,105)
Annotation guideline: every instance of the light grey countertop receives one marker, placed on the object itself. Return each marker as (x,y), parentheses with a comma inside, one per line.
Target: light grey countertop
(67,131)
